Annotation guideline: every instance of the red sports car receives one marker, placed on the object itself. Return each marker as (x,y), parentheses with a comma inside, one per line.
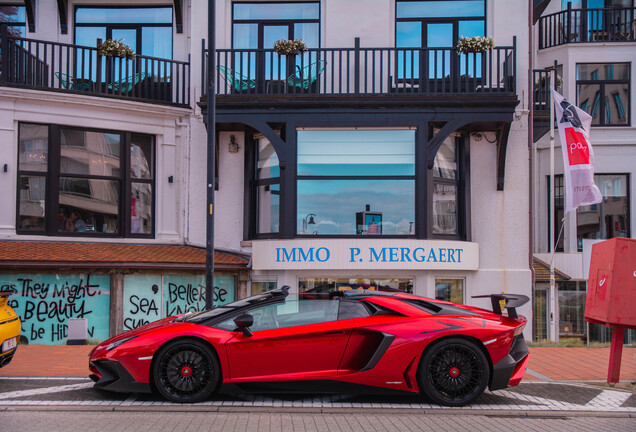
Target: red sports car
(358,340)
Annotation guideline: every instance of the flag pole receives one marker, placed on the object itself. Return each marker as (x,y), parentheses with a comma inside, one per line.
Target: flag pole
(553,303)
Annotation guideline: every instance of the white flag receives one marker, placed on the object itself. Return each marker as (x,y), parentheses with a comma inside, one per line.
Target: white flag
(578,156)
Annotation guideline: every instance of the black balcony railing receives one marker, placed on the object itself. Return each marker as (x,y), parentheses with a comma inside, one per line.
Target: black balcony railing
(357,70)
(587,25)
(47,65)
(541,99)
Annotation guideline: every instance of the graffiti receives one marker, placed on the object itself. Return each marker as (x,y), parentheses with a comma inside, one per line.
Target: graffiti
(142,300)
(45,303)
(149,298)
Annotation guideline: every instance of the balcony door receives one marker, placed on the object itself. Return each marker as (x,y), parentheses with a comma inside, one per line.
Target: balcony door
(256,28)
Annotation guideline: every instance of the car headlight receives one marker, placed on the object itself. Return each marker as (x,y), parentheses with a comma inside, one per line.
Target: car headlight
(119,342)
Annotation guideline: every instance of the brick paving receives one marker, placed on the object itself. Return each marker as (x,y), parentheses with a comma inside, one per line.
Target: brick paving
(578,364)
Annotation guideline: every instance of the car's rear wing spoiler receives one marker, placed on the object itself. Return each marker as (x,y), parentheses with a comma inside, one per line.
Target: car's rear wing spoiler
(506,301)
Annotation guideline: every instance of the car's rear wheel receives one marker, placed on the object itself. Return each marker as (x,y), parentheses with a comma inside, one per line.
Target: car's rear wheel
(453,372)
(186,371)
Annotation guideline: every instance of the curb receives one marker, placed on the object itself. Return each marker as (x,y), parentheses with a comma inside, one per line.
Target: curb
(328,411)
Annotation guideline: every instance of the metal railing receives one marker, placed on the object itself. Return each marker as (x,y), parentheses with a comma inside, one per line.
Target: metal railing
(47,65)
(541,94)
(587,25)
(357,70)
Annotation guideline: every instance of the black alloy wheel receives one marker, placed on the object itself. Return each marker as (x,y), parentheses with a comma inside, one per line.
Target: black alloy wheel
(453,372)
(186,371)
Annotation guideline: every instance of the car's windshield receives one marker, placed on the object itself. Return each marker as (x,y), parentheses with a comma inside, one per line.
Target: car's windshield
(218,311)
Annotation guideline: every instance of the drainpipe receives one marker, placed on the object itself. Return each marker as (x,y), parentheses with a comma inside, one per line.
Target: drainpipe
(531,144)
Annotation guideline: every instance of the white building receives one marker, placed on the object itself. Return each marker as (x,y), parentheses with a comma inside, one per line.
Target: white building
(593,45)
(380,157)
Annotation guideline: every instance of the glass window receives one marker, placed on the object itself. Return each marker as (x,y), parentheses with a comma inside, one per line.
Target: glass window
(451,290)
(82,193)
(292,313)
(438,24)
(608,219)
(320,288)
(603,91)
(445,188)
(346,175)
(148,30)
(259,287)
(14,18)
(268,187)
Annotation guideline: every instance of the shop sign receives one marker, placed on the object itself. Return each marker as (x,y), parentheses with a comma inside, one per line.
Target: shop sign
(361,254)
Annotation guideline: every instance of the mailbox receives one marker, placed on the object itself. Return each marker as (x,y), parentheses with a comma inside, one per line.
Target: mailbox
(611,294)
(611,289)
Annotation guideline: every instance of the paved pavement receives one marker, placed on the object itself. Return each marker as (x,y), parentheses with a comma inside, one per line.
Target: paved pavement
(558,382)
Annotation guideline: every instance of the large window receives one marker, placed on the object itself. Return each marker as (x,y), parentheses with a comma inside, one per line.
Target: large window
(602,90)
(437,24)
(81,182)
(356,182)
(446,184)
(260,25)
(608,219)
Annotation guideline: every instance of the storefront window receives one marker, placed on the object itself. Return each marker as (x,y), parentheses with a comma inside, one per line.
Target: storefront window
(356,182)
(319,288)
(261,287)
(572,296)
(451,290)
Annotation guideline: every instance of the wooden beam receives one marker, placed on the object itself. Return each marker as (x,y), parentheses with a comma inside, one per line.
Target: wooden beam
(434,143)
(62,11)
(502,146)
(178,15)
(279,145)
(30,13)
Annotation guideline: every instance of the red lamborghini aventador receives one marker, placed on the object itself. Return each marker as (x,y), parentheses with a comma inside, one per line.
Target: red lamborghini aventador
(357,340)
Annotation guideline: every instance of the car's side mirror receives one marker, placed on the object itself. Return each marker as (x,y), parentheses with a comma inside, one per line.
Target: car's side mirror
(244,322)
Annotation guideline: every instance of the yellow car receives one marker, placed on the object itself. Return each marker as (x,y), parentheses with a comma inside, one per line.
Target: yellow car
(9,328)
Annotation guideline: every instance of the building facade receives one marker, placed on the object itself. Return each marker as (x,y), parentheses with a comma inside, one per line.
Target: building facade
(379,157)
(592,46)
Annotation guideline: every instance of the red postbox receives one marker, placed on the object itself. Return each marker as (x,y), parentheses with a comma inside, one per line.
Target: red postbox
(611,294)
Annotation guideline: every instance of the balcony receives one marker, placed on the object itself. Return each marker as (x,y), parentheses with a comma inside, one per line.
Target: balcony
(252,76)
(68,68)
(587,26)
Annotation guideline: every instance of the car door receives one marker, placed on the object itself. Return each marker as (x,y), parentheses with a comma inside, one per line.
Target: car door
(296,340)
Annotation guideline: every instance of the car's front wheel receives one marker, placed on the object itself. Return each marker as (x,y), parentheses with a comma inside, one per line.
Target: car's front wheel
(186,371)
(453,372)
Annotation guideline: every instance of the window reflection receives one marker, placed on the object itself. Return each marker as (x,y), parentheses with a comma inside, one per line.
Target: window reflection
(14,18)
(32,199)
(90,153)
(33,147)
(603,91)
(89,205)
(451,290)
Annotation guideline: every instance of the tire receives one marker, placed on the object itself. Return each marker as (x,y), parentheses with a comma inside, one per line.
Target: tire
(186,371)
(453,372)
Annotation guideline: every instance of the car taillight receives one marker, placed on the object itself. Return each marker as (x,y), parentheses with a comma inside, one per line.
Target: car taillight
(519,329)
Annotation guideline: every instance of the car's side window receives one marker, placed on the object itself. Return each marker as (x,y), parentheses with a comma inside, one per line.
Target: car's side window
(351,309)
(289,314)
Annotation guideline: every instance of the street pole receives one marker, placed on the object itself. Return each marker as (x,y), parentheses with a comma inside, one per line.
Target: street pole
(554,313)
(211,101)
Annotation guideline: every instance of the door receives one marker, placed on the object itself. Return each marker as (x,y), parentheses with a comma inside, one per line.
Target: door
(295,340)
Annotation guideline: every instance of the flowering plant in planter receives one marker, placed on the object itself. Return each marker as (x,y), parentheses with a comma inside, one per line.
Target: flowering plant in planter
(290,47)
(541,82)
(115,48)
(475,44)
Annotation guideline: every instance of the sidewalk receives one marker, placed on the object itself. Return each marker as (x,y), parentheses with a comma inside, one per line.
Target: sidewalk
(546,364)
